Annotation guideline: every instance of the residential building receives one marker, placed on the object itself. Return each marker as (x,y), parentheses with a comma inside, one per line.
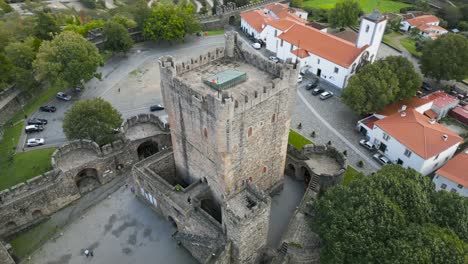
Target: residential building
(414,141)
(435,106)
(453,176)
(335,59)
(428,26)
(460,114)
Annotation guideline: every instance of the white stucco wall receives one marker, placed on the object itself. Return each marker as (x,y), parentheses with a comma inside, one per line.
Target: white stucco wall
(396,150)
(451,185)
(301,14)
(271,39)
(249,29)
(371,33)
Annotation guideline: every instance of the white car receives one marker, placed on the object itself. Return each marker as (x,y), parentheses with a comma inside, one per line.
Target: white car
(299,79)
(381,158)
(63,96)
(256,45)
(325,95)
(273,58)
(366,144)
(34,142)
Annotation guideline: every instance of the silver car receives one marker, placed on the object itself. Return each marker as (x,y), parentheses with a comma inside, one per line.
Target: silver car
(34,142)
(381,159)
(366,144)
(63,96)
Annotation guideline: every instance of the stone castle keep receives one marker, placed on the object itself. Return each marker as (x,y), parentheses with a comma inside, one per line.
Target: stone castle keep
(229,114)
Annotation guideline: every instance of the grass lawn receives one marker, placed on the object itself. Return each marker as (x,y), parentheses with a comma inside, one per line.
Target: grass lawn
(297,140)
(215,32)
(27,242)
(17,168)
(389,39)
(410,45)
(367,5)
(350,175)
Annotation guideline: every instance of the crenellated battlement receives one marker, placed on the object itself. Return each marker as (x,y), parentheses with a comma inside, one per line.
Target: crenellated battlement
(31,185)
(143,119)
(195,62)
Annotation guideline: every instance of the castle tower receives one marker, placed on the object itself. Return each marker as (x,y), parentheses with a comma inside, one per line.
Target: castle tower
(371,31)
(229,114)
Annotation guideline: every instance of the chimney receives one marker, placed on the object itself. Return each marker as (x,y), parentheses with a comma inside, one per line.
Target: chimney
(432,121)
(403,114)
(445,137)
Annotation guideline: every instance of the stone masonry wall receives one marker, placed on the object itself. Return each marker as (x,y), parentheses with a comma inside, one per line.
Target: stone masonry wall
(27,203)
(227,120)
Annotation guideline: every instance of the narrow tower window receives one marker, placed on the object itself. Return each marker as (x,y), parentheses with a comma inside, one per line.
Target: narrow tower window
(249,132)
(273,118)
(367,28)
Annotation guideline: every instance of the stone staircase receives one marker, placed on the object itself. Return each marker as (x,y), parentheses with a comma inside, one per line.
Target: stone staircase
(314,184)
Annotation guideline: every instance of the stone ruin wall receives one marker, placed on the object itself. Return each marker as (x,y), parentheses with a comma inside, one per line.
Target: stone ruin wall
(225,12)
(297,159)
(30,202)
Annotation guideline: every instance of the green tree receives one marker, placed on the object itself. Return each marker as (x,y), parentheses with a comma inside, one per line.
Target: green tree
(446,58)
(451,14)
(451,210)
(170,22)
(46,26)
(297,3)
(22,55)
(385,218)
(6,71)
(117,38)
(68,58)
(140,12)
(215,5)
(344,14)
(124,21)
(93,119)
(381,83)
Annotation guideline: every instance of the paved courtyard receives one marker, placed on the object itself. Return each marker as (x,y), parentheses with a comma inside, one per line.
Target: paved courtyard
(120,230)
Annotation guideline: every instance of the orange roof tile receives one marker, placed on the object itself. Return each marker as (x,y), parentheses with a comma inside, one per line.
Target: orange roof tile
(431,114)
(420,20)
(414,102)
(277,8)
(441,99)
(282,24)
(257,19)
(301,53)
(416,132)
(430,28)
(322,44)
(456,169)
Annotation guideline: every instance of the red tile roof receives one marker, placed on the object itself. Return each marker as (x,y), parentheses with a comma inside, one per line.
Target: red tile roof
(322,44)
(431,114)
(416,132)
(420,20)
(282,24)
(257,19)
(456,169)
(441,99)
(277,8)
(414,102)
(301,53)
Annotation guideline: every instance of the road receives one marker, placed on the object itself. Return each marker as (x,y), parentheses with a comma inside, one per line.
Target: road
(130,83)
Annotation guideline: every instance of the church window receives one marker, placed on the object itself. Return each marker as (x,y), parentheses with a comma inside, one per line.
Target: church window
(249,132)
(367,28)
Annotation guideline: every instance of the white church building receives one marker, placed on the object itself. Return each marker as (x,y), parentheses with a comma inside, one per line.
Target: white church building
(330,57)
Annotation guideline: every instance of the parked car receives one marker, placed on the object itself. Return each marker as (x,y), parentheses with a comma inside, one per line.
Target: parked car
(313,84)
(381,159)
(63,96)
(366,144)
(33,128)
(273,58)
(37,121)
(157,107)
(47,108)
(299,79)
(317,91)
(34,142)
(256,45)
(261,42)
(326,95)
(426,86)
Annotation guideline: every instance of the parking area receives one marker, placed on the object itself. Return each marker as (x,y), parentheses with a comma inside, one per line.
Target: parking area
(129,82)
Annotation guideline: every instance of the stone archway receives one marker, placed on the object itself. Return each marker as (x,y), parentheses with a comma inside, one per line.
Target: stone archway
(36,214)
(87,180)
(306,175)
(172,221)
(232,20)
(146,149)
(290,170)
(10,225)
